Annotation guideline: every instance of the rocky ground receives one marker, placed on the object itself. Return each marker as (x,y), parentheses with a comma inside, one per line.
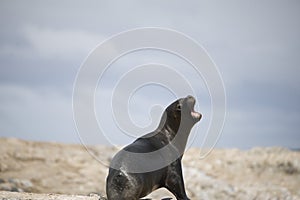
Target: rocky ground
(4,195)
(36,167)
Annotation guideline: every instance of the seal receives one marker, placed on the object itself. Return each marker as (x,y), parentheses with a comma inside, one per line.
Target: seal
(154,160)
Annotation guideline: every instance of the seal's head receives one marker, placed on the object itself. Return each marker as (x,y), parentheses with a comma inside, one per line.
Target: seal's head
(182,111)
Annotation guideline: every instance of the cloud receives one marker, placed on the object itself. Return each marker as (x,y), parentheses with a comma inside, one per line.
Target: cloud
(62,44)
(255,45)
(51,43)
(35,115)
(260,127)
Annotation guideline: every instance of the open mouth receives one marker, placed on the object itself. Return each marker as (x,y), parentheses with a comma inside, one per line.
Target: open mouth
(191,101)
(196,115)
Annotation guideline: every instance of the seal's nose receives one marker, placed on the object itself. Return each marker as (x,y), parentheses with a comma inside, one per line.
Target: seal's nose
(190,98)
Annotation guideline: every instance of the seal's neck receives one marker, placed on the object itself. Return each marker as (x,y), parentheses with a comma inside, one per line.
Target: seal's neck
(176,131)
(170,125)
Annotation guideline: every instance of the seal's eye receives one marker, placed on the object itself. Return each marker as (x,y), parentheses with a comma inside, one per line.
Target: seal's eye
(178,107)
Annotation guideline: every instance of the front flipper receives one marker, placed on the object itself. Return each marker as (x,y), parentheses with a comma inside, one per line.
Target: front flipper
(174,182)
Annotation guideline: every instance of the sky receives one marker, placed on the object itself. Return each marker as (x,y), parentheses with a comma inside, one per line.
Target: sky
(254,44)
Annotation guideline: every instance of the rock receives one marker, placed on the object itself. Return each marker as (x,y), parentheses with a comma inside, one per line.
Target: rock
(288,168)
(15,185)
(40,167)
(32,196)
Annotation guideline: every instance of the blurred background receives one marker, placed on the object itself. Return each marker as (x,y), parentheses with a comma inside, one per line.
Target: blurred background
(255,45)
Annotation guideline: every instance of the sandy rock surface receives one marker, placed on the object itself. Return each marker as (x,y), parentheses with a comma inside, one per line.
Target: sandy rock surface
(37,167)
(4,195)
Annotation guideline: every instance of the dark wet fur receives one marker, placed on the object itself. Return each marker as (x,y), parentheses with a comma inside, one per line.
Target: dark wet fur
(121,185)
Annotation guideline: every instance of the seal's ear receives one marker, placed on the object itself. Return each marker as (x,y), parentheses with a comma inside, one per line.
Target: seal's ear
(178,107)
